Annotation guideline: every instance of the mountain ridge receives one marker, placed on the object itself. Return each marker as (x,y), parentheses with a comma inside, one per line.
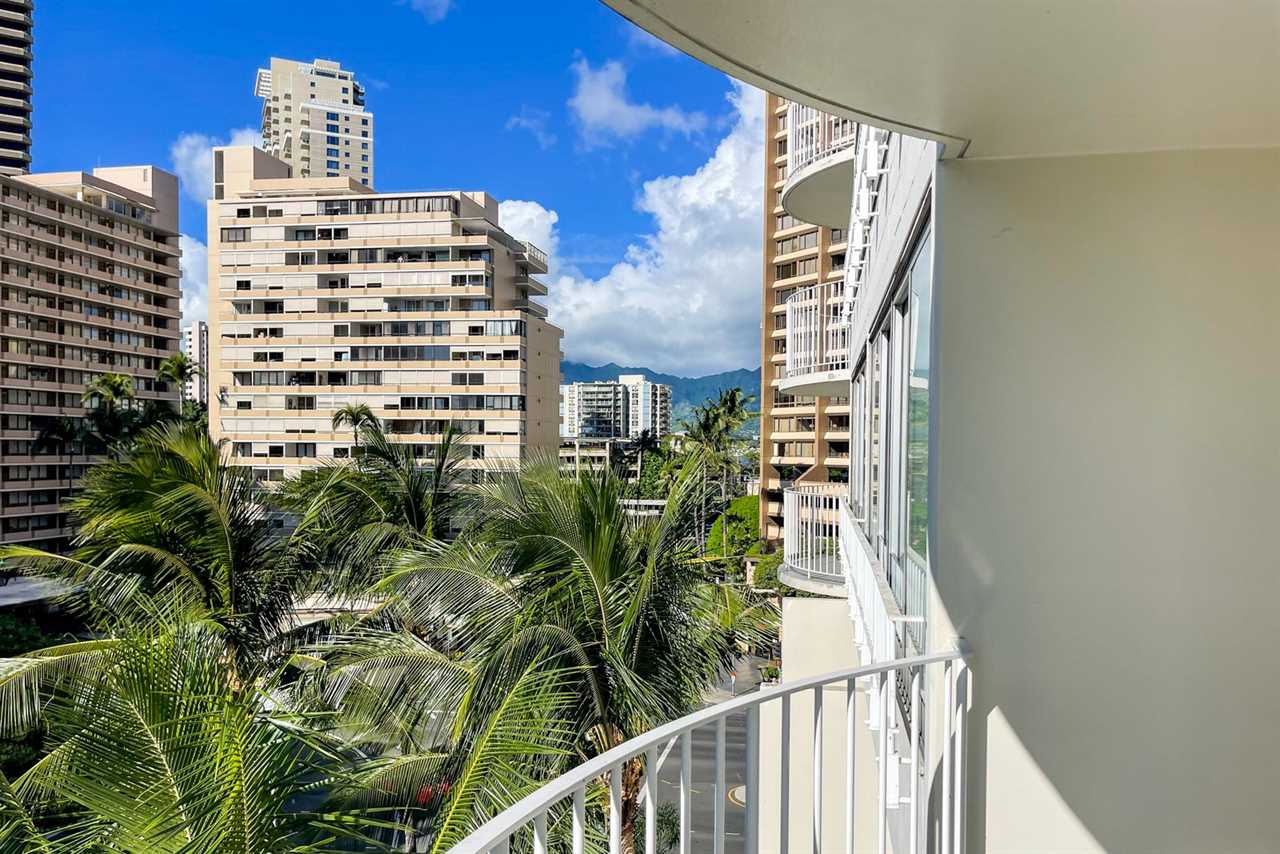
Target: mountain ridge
(684,390)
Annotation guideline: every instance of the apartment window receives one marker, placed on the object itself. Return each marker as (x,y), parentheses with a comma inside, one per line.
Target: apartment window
(783,221)
(235,235)
(332,164)
(331,140)
(243,284)
(797,243)
(468,379)
(364,169)
(365,146)
(364,122)
(332,152)
(333,117)
(244,405)
(837,235)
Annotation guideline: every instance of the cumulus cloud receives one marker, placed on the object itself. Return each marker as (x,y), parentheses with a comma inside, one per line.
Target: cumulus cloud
(535,122)
(192,155)
(194,266)
(433,10)
(685,298)
(606,114)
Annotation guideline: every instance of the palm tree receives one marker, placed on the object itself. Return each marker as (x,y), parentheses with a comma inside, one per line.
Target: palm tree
(352,514)
(105,396)
(359,417)
(157,746)
(178,369)
(67,434)
(170,527)
(646,441)
(557,573)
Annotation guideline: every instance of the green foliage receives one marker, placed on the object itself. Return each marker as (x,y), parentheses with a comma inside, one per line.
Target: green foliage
(195,415)
(20,634)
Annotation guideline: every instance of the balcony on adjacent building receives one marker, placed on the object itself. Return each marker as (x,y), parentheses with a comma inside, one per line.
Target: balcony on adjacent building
(817,341)
(531,255)
(811,547)
(820,166)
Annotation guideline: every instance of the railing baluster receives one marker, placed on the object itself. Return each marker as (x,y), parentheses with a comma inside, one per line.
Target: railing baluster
(961,702)
(917,727)
(721,794)
(686,792)
(817,769)
(651,801)
(615,809)
(882,825)
(751,834)
(850,754)
(579,820)
(540,834)
(784,793)
(948,719)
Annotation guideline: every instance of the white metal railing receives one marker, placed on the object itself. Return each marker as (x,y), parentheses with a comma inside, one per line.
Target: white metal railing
(586,803)
(813,134)
(817,329)
(871,601)
(871,166)
(811,531)
(535,253)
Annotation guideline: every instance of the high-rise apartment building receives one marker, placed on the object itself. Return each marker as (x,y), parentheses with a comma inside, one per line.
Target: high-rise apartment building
(15,86)
(595,410)
(195,343)
(615,410)
(89,284)
(648,406)
(324,293)
(802,437)
(314,119)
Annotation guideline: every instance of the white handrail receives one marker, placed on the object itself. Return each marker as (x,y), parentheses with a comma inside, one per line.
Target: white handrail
(811,532)
(496,834)
(817,329)
(813,134)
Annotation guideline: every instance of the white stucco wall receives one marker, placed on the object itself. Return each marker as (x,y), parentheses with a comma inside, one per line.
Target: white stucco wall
(1106,483)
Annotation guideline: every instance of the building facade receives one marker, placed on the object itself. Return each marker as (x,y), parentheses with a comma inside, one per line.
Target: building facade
(648,406)
(803,437)
(195,343)
(615,410)
(90,279)
(324,293)
(314,119)
(15,86)
(595,410)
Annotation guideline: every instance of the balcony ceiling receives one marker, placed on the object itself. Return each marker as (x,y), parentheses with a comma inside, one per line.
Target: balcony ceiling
(1004,78)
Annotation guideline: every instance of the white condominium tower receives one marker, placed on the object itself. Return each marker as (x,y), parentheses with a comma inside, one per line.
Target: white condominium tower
(324,293)
(648,406)
(615,410)
(195,343)
(313,118)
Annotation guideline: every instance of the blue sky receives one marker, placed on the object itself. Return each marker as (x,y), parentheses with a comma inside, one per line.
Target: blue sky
(632,163)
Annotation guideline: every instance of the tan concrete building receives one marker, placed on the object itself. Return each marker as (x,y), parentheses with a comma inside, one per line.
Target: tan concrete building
(314,119)
(15,86)
(324,293)
(802,438)
(88,285)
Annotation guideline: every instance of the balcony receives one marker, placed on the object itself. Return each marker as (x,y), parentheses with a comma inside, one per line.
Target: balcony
(531,255)
(820,166)
(811,558)
(817,342)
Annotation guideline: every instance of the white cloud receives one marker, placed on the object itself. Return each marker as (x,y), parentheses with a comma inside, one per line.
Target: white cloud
(534,121)
(194,266)
(433,10)
(604,113)
(192,155)
(641,40)
(686,298)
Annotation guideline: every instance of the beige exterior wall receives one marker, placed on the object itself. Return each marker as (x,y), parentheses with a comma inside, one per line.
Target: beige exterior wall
(801,438)
(297,333)
(313,118)
(1105,474)
(89,284)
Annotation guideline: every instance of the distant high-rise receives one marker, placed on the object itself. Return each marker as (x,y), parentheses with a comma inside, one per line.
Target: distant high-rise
(15,86)
(195,343)
(313,118)
(615,410)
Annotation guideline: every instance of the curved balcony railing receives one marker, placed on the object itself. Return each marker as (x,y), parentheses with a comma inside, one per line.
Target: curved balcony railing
(813,135)
(811,534)
(817,332)
(923,780)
